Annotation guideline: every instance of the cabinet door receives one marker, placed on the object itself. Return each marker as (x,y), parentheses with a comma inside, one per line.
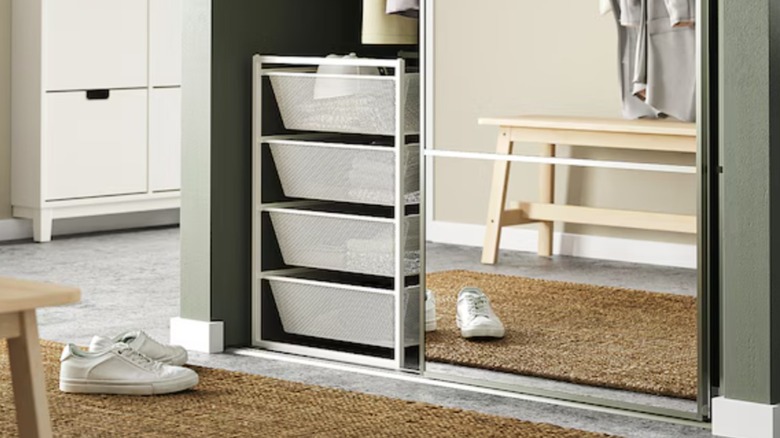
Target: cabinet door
(165,139)
(93,44)
(95,147)
(165,40)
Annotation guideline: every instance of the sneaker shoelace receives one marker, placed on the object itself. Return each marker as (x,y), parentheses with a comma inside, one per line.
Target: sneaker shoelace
(139,359)
(478,306)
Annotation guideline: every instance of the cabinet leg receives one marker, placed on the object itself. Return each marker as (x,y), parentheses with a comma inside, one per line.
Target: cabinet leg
(42,224)
(547,196)
(497,199)
(29,383)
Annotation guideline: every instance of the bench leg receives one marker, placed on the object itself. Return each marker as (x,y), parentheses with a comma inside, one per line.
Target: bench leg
(497,203)
(547,196)
(29,383)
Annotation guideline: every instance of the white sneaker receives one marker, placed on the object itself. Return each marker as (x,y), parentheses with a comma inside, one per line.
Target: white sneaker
(144,344)
(475,315)
(430,311)
(120,370)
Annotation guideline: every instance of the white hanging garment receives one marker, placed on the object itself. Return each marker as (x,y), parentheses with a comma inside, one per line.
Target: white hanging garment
(657,58)
(605,7)
(630,13)
(681,12)
(408,8)
(665,63)
(628,37)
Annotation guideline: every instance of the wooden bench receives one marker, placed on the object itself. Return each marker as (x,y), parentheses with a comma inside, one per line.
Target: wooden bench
(644,135)
(18,301)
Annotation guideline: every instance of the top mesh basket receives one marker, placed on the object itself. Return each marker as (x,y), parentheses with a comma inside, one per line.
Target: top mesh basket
(355,104)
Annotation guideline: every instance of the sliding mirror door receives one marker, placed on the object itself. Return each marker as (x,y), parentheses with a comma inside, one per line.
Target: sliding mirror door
(566,202)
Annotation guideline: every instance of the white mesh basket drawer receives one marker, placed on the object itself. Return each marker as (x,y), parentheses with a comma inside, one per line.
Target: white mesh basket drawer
(343,313)
(345,243)
(347,173)
(358,104)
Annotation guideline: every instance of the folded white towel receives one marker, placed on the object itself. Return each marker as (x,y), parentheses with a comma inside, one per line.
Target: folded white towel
(329,88)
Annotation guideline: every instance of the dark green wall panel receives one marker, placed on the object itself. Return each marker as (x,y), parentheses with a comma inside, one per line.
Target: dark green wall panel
(240,29)
(751,200)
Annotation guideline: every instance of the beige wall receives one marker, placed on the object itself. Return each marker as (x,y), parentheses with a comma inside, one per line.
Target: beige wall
(5,109)
(507,57)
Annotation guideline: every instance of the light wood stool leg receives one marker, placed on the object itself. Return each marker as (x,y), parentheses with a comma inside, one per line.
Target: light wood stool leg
(24,353)
(497,199)
(547,196)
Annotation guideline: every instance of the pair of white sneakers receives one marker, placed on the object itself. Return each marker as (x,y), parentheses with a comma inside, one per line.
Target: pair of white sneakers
(475,316)
(131,364)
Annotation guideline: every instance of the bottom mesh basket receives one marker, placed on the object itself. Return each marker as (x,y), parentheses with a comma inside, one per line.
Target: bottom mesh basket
(337,312)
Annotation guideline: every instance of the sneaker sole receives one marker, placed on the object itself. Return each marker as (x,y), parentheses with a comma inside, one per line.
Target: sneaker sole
(482,333)
(75,386)
(430,317)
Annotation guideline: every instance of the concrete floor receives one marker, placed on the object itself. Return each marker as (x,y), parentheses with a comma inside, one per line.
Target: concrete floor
(441,257)
(131,280)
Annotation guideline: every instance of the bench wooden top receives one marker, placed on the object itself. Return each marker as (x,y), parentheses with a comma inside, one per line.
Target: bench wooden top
(20,295)
(595,124)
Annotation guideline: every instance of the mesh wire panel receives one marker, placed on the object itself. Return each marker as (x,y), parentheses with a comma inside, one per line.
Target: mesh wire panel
(358,105)
(331,312)
(345,244)
(346,175)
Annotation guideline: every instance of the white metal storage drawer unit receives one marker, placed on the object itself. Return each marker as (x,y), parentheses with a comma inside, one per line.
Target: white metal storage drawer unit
(96,108)
(338,215)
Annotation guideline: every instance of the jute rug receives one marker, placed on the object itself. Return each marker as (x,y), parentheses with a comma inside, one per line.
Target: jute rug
(228,404)
(592,335)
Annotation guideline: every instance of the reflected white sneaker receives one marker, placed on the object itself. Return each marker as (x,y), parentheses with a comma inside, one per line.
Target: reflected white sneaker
(144,344)
(430,311)
(120,370)
(475,315)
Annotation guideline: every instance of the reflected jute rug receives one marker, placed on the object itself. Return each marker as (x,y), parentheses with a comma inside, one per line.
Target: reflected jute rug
(228,404)
(592,335)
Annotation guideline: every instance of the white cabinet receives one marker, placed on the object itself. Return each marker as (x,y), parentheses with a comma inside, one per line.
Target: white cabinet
(96,147)
(95,43)
(165,139)
(96,108)
(165,40)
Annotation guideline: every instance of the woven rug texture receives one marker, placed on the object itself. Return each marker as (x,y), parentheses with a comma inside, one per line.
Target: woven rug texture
(229,404)
(591,335)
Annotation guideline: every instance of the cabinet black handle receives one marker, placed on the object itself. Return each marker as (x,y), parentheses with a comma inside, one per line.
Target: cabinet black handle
(98,94)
